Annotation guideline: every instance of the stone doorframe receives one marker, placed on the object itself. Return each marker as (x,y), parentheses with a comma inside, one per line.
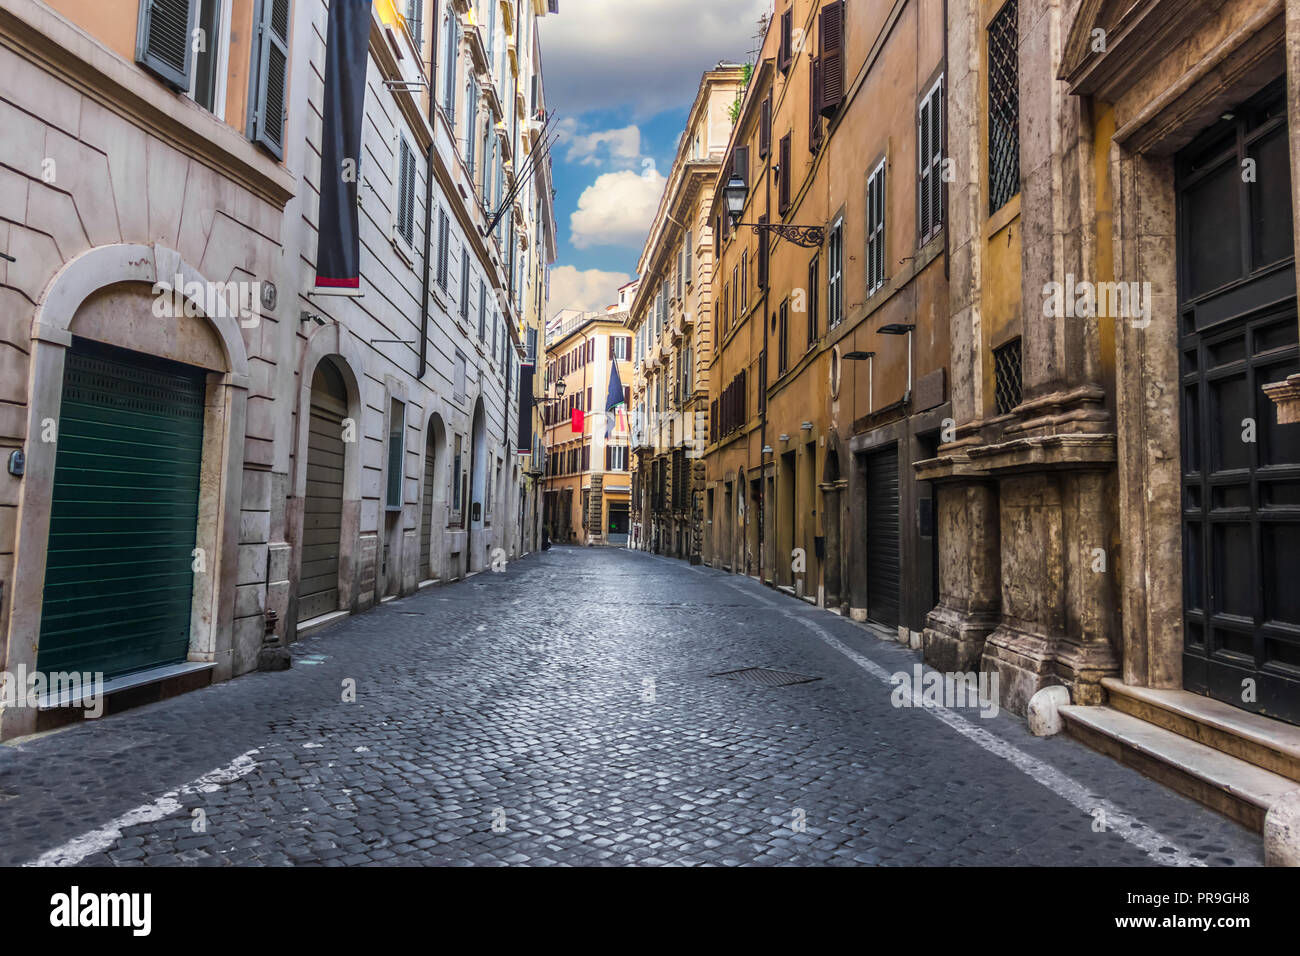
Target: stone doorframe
(337,343)
(1158,112)
(221,470)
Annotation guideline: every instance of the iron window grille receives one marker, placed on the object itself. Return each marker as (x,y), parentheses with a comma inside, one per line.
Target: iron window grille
(1004,106)
(1007,377)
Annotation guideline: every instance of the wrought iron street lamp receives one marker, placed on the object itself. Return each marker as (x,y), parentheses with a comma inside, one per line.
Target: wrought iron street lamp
(734,195)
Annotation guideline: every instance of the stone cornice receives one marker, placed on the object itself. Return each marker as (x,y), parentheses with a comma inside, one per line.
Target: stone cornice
(1287,396)
(38,34)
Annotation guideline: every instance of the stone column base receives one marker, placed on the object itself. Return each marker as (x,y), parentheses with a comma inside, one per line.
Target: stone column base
(1026,663)
(954,640)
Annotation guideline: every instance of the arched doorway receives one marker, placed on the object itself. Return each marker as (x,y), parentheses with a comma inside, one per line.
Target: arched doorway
(122,558)
(477,486)
(323,502)
(431,498)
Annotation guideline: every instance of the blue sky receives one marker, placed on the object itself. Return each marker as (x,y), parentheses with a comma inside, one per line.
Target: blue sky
(622,75)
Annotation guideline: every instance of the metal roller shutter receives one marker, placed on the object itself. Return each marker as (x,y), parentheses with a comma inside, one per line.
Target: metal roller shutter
(882,537)
(119,576)
(323,507)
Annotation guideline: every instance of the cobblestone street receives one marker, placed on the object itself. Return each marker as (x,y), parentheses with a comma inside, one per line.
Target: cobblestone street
(563,712)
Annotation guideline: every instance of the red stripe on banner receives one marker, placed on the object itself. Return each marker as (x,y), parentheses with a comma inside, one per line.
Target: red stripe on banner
(338,283)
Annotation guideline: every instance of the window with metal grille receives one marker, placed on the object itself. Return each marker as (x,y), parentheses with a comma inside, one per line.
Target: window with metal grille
(1007,377)
(835,276)
(876,229)
(1004,106)
(414,22)
(929,176)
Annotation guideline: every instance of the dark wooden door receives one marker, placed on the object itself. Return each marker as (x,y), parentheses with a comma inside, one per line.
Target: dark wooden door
(1241,469)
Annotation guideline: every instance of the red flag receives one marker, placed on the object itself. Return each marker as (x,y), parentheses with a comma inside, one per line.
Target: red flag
(577,421)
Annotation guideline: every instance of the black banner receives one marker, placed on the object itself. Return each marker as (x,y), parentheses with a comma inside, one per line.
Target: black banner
(525,443)
(347,44)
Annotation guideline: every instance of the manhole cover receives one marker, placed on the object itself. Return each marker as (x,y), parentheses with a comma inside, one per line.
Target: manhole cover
(766,677)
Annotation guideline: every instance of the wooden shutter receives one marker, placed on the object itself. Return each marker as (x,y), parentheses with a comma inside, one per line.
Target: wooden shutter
(444,241)
(832,57)
(786,55)
(690,258)
(765,129)
(923,171)
(162,43)
(783,202)
(762,253)
(740,163)
(816,133)
(270,76)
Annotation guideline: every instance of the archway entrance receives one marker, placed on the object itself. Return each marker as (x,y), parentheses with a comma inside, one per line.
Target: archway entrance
(323,502)
(121,558)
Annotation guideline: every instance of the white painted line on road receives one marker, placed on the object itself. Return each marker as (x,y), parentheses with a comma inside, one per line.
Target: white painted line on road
(1064,786)
(101,838)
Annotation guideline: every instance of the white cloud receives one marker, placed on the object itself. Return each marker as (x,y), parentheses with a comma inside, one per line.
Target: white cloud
(619,148)
(587,290)
(617,209)
(647,54)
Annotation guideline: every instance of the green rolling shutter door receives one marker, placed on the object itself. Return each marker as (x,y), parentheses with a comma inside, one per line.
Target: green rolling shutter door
(119,574)
(323,507)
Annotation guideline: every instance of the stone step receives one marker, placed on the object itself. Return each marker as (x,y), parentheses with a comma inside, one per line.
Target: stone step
(1267,743)
(1234,787)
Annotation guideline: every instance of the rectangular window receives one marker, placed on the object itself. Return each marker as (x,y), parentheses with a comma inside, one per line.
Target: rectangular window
(464,283)
(208,83)
(814,280)
(616,458)
(783,194)
(404,220)
(451,30)
(1007,380)
(482,310)
(444,244)
(270,73)
(1004,106)
(783,338)
(456,468)
(929,174)
(736,293)
(415,22)
(876,229)
(835,276)
(458,383)
(744,279)
(396,455)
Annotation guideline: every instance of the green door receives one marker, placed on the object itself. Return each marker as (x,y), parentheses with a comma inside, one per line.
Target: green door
(119,574)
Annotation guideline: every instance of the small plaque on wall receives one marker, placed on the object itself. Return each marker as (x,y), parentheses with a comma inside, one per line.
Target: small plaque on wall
(931,390)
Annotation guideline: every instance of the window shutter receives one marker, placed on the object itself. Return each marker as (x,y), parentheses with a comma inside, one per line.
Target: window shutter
(611,348)
(444,241)
(690,258)
(415,22)
(270,76)
(832,50)
(765,129)
(923,171)
(936,150)
(740,163)
(786,56)
(162,43)
(815,131)
(783,202)
(762,253)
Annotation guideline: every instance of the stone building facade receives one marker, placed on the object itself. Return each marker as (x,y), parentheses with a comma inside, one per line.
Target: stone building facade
(671,319)
(830,372)
(588,488)
(261,459)
(1118,503)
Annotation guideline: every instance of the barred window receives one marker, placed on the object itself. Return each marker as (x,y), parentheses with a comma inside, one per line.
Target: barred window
(1007,379)
(1004,106)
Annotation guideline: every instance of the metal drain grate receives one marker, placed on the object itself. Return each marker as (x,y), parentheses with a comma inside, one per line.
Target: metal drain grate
(766,677)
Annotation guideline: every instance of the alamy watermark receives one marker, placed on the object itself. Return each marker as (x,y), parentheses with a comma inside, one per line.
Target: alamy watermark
(952,691)
(21,689)
(1072,299)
